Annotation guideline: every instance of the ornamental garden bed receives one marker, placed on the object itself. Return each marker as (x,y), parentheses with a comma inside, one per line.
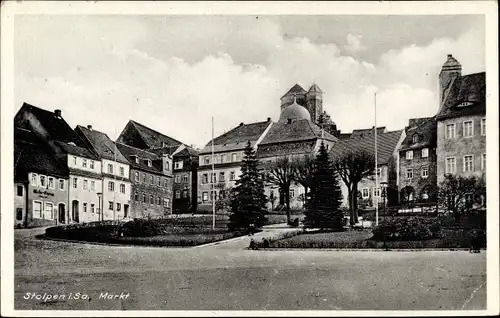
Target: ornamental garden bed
(154,232)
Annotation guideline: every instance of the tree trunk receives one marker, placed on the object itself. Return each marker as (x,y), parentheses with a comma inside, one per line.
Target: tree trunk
(287,199)
(351,210)
(305,195)
(355,202)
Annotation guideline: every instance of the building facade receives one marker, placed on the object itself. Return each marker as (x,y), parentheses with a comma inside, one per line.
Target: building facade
(418,161)
(151,181)
(461,122)
(185,186)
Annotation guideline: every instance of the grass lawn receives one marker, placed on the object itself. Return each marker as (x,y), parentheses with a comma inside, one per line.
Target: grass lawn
(281,218)
(176,239)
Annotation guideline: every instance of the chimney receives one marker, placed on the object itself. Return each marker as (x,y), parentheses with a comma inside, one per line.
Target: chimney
(268,119)
(241,124)
(89,127)
(58,113)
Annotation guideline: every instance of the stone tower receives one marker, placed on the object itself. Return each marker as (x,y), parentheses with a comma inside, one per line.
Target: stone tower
(450,71)
(297,94)
(314,102)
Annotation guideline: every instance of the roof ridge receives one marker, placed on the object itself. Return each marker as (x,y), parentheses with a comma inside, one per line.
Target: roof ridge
(149,128)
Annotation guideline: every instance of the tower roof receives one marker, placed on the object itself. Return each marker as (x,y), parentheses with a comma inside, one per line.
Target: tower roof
(295,90)
(451,63)
(315,89)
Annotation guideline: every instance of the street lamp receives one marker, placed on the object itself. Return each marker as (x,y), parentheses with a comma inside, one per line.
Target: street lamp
(99,195)
(383,185)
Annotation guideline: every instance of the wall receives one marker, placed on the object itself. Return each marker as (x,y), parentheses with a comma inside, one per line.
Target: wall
(88,196)
(20,203)
(460,146)
(141,209)
(418,182)
(76,162)
(226,185)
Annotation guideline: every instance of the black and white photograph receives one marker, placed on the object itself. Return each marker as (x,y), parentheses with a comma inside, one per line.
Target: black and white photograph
(249,158)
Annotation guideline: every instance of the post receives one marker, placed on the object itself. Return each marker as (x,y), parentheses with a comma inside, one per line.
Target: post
(376,163)
(213,179)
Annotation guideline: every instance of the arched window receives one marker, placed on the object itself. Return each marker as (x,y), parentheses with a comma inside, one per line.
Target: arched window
(415,138)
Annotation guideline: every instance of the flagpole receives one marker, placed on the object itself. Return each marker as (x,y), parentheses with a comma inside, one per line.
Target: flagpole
(376,163)
(213,178)
(114,175)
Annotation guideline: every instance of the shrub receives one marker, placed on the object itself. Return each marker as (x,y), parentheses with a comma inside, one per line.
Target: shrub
(407,229)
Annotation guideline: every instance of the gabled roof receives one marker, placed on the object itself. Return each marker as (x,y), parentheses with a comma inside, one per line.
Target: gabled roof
(367,131)
(129,152)
(101,144)
(187,152)
(426,130)
(56,127)
(297,130)
(238,137)
(468,88)
(153,138)
(72,149)
(296,89)
(31,156)
(386,145)
(315,89)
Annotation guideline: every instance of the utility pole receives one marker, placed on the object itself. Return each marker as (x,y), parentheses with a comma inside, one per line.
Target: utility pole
(376,164)
(213,177)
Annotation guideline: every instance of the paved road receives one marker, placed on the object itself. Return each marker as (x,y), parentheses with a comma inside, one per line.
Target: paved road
(227,277)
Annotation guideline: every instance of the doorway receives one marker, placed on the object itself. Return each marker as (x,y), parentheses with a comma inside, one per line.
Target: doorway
(75,215)
(62,213)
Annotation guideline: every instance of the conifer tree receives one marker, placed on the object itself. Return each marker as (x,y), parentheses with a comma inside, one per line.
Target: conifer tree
(325,197)
(248,201)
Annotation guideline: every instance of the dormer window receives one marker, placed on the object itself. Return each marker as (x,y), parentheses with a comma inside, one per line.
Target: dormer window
(465,104)
(149,163)
(415,138)
(135,158)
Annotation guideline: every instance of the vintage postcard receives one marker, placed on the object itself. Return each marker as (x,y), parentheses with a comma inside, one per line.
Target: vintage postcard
(249,158)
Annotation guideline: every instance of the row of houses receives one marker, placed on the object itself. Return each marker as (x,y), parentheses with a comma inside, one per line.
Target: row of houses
(64,175)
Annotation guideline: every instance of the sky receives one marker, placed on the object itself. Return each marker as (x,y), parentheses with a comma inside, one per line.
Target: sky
(173,73)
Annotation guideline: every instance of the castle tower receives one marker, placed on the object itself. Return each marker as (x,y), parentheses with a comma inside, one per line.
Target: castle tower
(450,71)
(314,102)
(295,94)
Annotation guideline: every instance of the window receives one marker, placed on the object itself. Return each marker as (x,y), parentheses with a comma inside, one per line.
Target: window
(222,177)
(144,198)
(158,181)
(233,157)
(415,138)
(365,193)
(136,176)
(111,186)
(450,131)
(84,207)
(178,164)
(122,188)
(185,194)
(468,163)
(165,182)
(91,164)
(483,127)
(177,194)
(213,177)
(151,199)
(61,184)
(425,172)
(84,163)
(409,154)
(136,196)
(75,183)
(85,184)
(34,179)
(158,201)
(74,161)
(409,174)
(292,193)
(207,160)
(425,152)
(185,178)
(92,208)
(20,191)
(177,179)
(49,211)
(118,206)
(149,163)
(167,202)
(232,176)
(468,127)
(483,162)
(19,214)
(43,181)
(144,178)
(205,196)
(450,165)
(92,185)
(51,183)
(376,192)
(222,158)
(37,209)
(122,171)
(204,178)
(151,180)
(110,168)
(136,159)
(167,165)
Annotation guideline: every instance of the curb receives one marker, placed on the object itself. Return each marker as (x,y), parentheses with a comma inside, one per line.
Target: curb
(365,249)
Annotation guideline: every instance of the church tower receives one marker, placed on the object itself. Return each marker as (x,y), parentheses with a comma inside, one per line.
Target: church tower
(314,102)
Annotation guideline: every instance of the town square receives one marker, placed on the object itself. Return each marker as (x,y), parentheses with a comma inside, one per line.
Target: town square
(257,162)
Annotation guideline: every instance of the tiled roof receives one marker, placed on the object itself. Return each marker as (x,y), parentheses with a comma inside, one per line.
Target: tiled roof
(367,131)
(238,137)
(426,131)
(76,150)
(296,89)
(386,145)
(153,138)
(468,88)
(101,144)
(295,131)
(31,156)
(56,127)
(187,152)
(129,151)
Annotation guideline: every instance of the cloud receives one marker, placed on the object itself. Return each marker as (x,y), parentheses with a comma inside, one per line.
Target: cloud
(98,75)
(354,43)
